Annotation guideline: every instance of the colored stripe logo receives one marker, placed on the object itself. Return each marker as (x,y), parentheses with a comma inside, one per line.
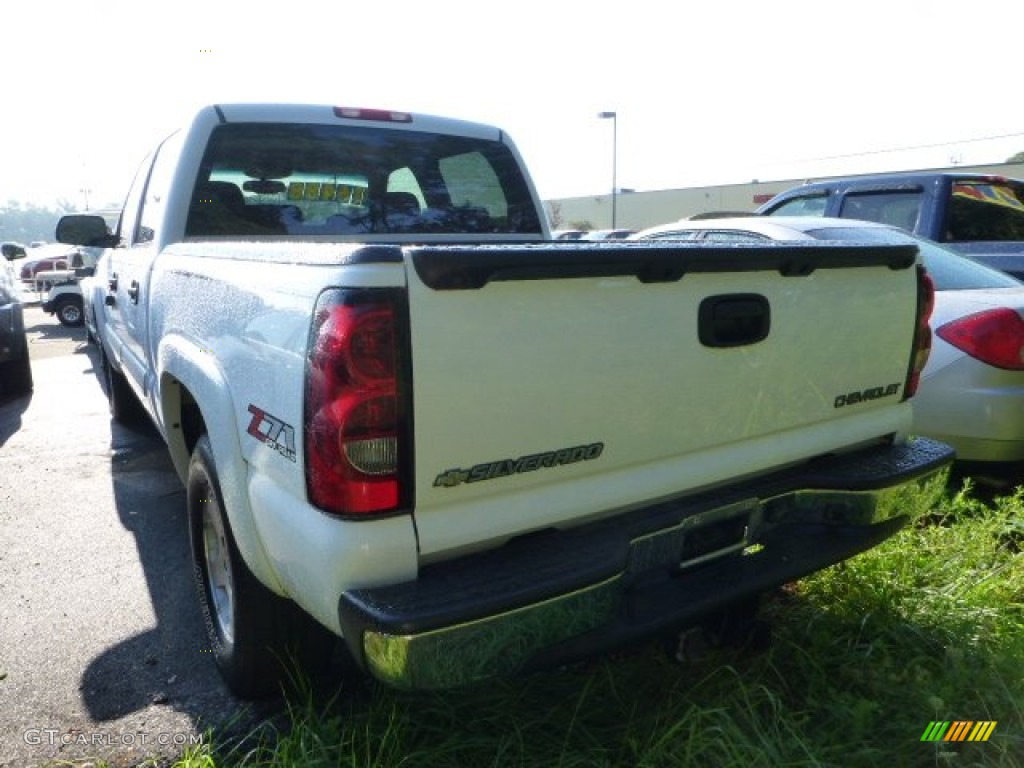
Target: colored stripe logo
(959,730)
(988,193)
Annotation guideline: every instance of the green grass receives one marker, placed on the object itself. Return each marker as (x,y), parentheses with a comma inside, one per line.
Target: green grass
(928,626)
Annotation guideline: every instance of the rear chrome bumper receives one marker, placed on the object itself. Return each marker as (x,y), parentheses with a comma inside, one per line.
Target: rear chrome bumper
(555,596)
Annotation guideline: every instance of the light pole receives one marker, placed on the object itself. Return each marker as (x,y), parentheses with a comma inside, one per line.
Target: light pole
(615,144)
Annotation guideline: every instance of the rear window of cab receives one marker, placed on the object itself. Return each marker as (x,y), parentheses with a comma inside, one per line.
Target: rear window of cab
(299,179)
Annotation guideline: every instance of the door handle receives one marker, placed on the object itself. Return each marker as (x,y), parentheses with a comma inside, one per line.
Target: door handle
(734,320)
(133,292)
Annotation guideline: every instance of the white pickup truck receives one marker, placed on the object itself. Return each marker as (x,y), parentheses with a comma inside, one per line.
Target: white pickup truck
(408,418)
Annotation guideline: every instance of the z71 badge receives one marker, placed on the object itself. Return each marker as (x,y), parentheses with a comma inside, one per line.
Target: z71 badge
(505,467)
(272,432)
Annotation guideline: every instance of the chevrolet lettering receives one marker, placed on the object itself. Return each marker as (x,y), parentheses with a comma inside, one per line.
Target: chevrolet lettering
(875,393)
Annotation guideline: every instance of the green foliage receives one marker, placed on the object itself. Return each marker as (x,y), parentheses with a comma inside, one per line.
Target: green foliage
(585,224)
(27,222)
(555,214)
(1017,158)
(927,626)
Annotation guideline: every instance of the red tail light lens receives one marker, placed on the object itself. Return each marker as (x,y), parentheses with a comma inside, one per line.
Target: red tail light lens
(355,427)
(995,336)
(922,331)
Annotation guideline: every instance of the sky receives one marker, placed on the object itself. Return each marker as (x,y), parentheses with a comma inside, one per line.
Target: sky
(705,93)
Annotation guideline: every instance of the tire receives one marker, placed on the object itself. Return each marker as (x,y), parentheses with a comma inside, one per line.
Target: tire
(257,638)
(125,408)
(69,312)
(16,375)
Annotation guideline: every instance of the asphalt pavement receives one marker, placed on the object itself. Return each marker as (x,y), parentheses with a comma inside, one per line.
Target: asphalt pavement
(101,642)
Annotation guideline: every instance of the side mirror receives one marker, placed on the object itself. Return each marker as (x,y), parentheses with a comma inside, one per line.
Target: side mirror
(84,229)
(85,272)
(12,251)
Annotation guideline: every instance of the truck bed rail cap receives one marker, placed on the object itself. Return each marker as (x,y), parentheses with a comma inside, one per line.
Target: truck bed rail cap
(473,267)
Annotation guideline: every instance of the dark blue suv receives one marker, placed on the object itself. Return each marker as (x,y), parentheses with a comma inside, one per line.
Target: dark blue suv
(976,214)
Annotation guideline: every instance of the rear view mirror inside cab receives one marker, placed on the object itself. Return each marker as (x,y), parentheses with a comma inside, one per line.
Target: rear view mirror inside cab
(264,186)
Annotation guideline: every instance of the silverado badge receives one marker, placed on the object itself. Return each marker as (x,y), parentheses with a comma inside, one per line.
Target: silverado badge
(530,463)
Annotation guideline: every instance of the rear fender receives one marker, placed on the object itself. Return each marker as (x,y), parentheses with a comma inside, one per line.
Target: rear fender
(185,368)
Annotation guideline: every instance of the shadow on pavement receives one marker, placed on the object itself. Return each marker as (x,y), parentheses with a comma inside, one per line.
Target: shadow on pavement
(11,409)
(50,329)
(166,665)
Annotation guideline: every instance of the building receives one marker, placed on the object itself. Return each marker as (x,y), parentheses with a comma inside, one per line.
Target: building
(638,210)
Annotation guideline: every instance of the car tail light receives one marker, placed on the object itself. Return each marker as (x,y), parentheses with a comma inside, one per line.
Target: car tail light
(922,331)
(356,422)
(995,336)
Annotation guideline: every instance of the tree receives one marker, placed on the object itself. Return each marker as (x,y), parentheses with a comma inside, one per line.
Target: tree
(555,214)
(27,222)
(1018,158)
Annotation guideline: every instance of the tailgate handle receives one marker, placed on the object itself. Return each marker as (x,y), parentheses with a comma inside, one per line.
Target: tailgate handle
(734,320)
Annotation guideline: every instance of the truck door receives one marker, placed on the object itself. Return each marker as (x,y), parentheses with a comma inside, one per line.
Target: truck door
(112,327)
(128,281)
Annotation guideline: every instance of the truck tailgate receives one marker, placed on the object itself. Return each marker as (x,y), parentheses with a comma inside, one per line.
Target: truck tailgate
(598,378)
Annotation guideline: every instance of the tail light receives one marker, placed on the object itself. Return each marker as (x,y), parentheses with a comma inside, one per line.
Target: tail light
(377,115)
(922,331)
(995,336)
(356,422)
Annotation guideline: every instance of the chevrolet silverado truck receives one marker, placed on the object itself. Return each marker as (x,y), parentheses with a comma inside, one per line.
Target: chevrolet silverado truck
(979,215)
(408,418)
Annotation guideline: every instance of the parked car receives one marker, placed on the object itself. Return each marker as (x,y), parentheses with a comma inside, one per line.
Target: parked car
(15,367)
(65,299)
(568,234)
(972,389)
(55,258)
(608,234)
(978,215)
(12,251)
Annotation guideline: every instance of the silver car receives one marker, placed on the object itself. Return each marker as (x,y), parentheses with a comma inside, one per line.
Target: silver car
(972,390)
(15,367)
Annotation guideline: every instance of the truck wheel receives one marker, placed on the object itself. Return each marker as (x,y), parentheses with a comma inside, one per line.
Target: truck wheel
(125,408)
(16,374)
(69,312)
(257,638)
